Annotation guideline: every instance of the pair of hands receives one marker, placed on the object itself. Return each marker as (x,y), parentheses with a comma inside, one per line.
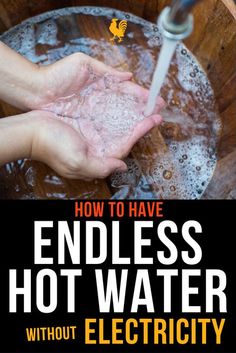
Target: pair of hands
(56,142)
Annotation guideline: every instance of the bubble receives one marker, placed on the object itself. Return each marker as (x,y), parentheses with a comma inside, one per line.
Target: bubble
(30,176)
(173,188)
(130,35)
(167,174)
(192,74)
(17,188)
(198,168)
(185,157)
(183,51)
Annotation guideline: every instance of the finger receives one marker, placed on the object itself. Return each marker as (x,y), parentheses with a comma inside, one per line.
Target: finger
(103,69)
(103,167)
(141,93)
(133,89)
(141,129)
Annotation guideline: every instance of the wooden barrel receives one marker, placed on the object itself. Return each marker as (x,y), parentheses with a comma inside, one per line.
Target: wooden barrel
(213,42)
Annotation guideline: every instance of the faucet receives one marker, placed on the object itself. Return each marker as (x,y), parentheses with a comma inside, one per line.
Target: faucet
(176,22)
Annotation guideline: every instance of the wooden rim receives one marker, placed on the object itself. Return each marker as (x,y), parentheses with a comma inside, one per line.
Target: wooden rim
(231,5)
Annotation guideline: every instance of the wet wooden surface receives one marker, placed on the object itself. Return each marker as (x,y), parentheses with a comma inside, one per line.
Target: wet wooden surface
(214,44)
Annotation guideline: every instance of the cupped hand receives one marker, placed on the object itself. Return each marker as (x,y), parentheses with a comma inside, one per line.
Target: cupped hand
(68,76)
(64,149)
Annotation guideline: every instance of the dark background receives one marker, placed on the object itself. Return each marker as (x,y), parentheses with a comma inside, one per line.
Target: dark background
(16,251)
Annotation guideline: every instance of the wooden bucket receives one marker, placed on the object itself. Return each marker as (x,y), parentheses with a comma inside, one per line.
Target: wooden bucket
(214,45)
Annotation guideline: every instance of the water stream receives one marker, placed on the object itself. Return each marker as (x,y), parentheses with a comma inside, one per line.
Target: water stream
(163,64)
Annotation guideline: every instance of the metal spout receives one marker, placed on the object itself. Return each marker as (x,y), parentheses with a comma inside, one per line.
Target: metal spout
(176,22)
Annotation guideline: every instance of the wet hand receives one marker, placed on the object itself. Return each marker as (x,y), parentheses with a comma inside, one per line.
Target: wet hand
(66,151)
(70,75)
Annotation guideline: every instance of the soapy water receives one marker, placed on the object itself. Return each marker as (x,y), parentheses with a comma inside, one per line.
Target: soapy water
(178,159)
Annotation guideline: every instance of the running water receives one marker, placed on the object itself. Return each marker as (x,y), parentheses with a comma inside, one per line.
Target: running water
(162,68)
